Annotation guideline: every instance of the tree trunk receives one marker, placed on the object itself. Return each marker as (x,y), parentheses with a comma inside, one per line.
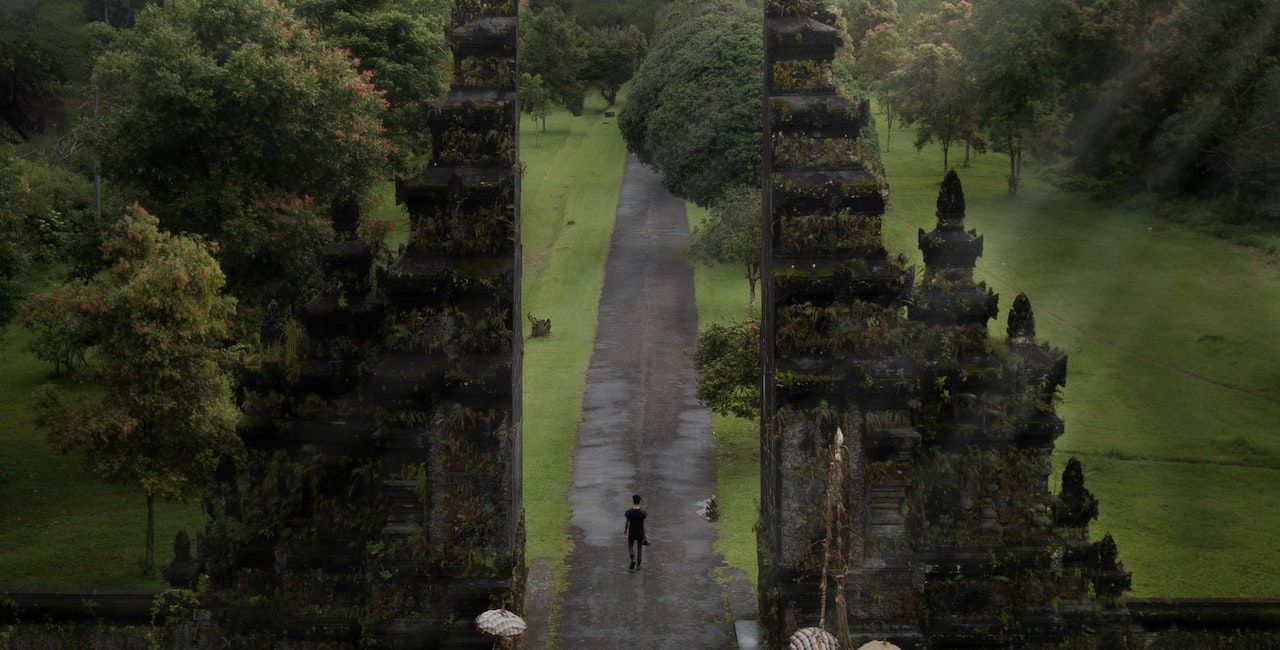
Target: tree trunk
(150,564)
(888,135)
(1013,167)
(966,155)
(946,157)
(753,276)
(611,96)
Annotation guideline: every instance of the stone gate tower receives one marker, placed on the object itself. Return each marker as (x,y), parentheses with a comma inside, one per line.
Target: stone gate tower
(945,531)
(380,504)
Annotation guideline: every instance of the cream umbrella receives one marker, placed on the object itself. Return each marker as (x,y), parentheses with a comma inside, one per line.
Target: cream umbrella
(500,626)
(812,638)
(879,645)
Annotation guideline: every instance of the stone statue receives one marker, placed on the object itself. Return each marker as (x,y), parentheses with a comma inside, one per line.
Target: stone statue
(951,197)
(1022,321)
(1076,505)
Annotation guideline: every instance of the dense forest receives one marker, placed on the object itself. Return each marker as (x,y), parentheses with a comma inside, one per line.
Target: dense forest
(1167,96)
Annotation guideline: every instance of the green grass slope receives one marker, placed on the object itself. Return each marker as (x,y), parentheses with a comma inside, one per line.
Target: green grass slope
(1173,398)
(572,177)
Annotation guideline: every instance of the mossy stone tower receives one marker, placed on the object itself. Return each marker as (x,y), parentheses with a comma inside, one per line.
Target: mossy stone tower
(380,504)
(944,532)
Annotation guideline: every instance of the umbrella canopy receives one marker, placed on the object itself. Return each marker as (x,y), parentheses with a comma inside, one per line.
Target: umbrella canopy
(812,638)
(879,645)
(500,625)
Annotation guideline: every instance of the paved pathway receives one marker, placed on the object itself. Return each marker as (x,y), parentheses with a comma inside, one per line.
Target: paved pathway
(643,431)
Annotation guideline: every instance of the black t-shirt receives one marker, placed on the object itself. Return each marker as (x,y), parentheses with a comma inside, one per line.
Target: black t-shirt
(635,516)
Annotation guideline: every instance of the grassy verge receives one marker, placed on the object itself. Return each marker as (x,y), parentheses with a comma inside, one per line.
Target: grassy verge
(60,528)
(1173,395)
(573,174)
(721,292)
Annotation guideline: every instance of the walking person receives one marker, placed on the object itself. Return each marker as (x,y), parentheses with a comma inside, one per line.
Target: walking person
(635,531)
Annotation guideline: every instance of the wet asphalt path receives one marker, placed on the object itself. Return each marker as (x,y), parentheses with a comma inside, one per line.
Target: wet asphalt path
(643,431)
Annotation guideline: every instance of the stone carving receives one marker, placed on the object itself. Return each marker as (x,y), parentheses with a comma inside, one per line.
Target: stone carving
(1076,506)
(539,327)
(1022,322)
(181,573)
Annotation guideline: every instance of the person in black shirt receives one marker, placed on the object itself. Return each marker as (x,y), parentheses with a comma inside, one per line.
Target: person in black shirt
(634,529)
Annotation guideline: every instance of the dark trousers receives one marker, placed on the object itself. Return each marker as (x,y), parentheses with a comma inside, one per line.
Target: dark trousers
(635,546)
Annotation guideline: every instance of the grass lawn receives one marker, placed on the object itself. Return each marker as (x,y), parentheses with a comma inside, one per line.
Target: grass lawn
(60,528)
(721,292)
(1173,398)
(572,177)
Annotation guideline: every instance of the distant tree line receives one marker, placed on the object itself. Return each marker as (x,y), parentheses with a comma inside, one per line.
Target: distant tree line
(1169,96)
(564,56)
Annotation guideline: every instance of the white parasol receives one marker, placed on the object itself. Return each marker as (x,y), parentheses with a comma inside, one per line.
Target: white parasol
(812,638)
(501,626)
(879,645)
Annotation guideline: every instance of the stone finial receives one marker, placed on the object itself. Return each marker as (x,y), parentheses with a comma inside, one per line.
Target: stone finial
(344,211)
(1076,505)
(1104,554)
(225,473)
(1109,575)
(1022,321)
(182,546)
(951,198)
(181,572)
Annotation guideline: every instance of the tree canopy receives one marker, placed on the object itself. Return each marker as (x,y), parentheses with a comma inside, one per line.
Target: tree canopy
(694,107)
(401,42)
(613,53)
(232,119)
(553,46)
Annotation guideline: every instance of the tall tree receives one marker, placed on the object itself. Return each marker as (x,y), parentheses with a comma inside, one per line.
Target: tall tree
(694,106)
(165,414)
(613,54)
(1166,96)
(732,234)
(877,49)
(638,13)
(536,6)
(1014,50)
(933,91)
(554,47)
(13,248)
(232,119)
(535,101)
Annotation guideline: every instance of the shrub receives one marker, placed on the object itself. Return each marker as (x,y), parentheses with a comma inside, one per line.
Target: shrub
(728,362)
